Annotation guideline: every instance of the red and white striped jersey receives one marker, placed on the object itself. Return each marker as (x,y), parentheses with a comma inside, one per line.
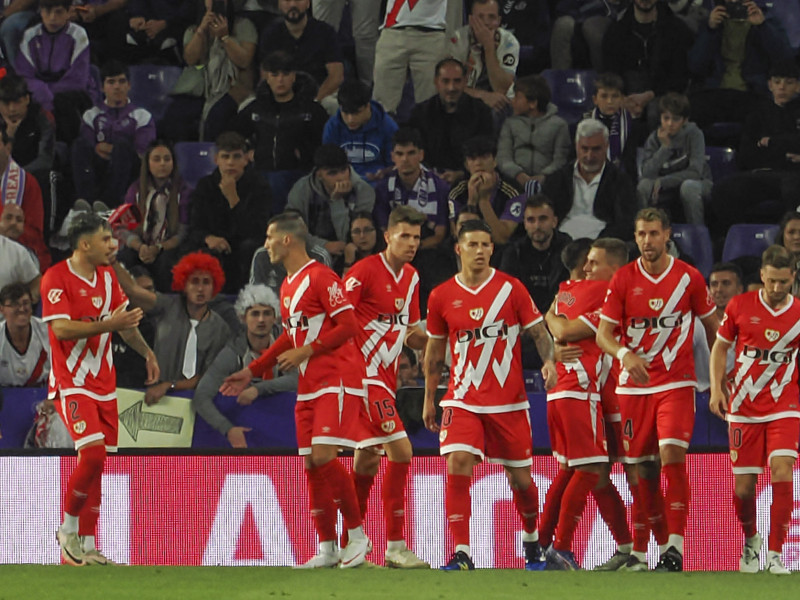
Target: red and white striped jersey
(764,386)
(656,316)
(309,300)
(84,366)
(386,304)
(483,325)
(416,13)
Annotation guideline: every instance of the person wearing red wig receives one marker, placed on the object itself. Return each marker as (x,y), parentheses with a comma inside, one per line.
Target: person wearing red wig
(189,335)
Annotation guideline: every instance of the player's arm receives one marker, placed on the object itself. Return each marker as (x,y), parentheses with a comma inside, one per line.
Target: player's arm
(345,326)
(416,339)
(133,337)
(633,363)
(545,348)
(119,320)
(718,401)
(138,295)
(711,324)
(433,365)
(567,330)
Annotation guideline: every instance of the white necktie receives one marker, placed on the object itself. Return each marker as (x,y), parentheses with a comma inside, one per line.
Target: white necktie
(190,354)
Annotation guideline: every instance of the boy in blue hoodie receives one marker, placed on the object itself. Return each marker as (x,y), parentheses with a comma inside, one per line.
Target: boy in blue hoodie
(363,129)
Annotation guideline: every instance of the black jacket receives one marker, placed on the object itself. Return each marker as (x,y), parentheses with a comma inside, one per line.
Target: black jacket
(781,124)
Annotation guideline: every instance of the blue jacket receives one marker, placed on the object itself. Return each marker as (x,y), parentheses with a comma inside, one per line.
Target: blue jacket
(369,148)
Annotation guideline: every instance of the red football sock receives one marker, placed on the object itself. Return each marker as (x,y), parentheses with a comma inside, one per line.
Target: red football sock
(653,507)
(344,491)
(677,497)
(612,509)
(320,501)
(552,506)
(527,505)
(780,514)
(394,501)
(572,506)
(458,506)
(90,513)
(90,465)
(641,530)
(363,485)
(746,513)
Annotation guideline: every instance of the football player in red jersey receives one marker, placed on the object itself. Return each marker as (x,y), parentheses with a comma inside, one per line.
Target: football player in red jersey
(653,301)
(318,340)
(760,402)
(83,304)
(482,313)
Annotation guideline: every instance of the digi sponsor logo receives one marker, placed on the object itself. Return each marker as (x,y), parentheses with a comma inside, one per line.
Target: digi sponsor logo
(392,319)
(771,335)
(296,322)
(663,322)
(764,356)
(54,295)
(487,332)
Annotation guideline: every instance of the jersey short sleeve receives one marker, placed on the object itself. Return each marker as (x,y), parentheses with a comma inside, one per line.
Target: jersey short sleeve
(527,311)
(729,329)
(435,323)
(615,296)
(330,290)
(702,303)
(55,297)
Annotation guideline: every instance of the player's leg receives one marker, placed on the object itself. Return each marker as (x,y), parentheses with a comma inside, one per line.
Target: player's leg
(641,526)
(782,440)
(748,454)
(366,463)
(552,501)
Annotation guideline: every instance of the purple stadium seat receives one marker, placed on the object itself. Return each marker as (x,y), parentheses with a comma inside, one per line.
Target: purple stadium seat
(787,13)
(195,160)
(571,91)
(745,239)
(722,162)
(695,241)
(151,85)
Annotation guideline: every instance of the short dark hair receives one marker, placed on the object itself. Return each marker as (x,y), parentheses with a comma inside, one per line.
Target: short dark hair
(778,257)
(449,61)
(140,271)
(84,223)
(616,250)
(727,267)
(112,68)
(230,141)
(651,214)
(480,145)
(291,222)
(609,81)
(785,68)
(538,201)
(13,87)
(330,156)
(675,103)
(473,225)
(574,252)
(55,4)
(470,210)
(534,87)
(787,218)
(406,214)
(407,136)
(278,62)
(353,96)
(14,291)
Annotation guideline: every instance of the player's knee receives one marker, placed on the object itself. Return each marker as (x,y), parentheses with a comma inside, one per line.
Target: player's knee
(648,470)
(519,479)
(744,489)
(93,457)
(781,468)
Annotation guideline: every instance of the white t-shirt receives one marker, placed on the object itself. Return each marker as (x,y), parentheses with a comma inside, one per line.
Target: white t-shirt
(465,48)
(16,264)
(580,221)
(16,369)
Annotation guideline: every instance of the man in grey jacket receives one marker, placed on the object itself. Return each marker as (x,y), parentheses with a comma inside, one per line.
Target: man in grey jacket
(328,197)
(257,307)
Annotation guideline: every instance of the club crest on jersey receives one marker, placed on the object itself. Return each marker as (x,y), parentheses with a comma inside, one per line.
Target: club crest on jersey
(286,302)
(734,455)
(442,436)
(335,295)
(79,427)
(476,313)
(771,335)
(399,303)
(656,303)
(54,295)
(97,301)
(388,426)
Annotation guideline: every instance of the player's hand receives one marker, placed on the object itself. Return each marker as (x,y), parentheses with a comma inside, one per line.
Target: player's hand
(236,437)
(717,16)
(246,397)
(565,353)
(429,416)
(549,374)
(152,368)
(236,383)
(718,404)
(292,359)
(637,367)
(122,319)
(155,392)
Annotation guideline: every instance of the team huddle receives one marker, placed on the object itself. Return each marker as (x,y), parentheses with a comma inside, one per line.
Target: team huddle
(618,368)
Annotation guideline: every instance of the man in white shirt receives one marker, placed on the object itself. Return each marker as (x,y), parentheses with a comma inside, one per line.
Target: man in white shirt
(24,346)
(18,266)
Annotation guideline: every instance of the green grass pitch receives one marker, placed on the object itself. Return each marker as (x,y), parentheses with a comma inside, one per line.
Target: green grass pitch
(18,582)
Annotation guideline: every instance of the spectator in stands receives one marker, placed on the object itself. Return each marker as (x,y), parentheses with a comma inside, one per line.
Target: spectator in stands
(283,124)
(220,51)
(24,342)
(769,156)
(54,60)
(535,141)
(12,225)
(229,210)
(576,40)
(106,24)
(364,16)
(491,54)
(408,369)
(725,282)
(529,23)
(18,266)
(674,162)
(258,308)
(154,28)
(189,335)
(162,198)
(730,60)
(262,13)
(312,43)
(363,239)
(625,134)
(448,119)
(328,197)
(413,184)
(114,134)
(647,47)
(363,129)
(20,188)
(592,197)
(412,39)
(789,237)
(495,196)
(129,364)
(16,14)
